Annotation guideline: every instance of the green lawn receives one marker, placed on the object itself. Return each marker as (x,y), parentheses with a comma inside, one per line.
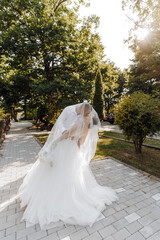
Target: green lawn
(148,161)
(149,141)
(42,138)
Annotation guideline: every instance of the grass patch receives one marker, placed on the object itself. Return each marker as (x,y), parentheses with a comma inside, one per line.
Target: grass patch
(42,138)
(149,141)
(148,161)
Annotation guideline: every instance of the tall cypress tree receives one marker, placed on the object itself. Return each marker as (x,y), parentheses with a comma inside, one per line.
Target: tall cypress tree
(98,100)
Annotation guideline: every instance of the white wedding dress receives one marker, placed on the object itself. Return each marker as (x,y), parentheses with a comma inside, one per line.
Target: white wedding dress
(66,192)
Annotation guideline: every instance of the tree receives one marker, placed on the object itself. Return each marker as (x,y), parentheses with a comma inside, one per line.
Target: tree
(50,51)
(98,101)
(138,116)
(145,71)
(114,83)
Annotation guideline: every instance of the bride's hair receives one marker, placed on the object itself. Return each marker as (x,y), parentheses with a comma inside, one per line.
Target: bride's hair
(95,120)
(87,106)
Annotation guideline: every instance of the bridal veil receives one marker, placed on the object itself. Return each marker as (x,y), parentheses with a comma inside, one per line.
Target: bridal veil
(82,111)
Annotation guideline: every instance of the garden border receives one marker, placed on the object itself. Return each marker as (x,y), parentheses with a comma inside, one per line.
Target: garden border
(123,140)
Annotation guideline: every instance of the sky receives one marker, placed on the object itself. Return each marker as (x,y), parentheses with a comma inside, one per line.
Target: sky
(113,29)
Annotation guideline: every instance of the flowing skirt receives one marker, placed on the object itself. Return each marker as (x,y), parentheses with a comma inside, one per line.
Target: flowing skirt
(66,192)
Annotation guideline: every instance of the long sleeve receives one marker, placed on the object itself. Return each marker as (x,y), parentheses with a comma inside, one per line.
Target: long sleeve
(62,119)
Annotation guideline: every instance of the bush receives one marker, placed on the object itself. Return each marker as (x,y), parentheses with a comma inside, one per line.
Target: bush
(3,114)
(138,116)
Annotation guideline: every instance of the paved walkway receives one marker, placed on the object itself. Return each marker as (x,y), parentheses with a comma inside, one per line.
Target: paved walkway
(135,216)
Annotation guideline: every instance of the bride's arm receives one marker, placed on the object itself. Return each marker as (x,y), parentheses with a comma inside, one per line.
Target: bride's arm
(72,131)
(67,134)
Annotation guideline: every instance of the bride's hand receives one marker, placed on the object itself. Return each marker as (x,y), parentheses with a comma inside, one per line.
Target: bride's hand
(65,134)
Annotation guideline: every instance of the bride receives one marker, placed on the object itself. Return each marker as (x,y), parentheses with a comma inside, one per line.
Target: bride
(60,186)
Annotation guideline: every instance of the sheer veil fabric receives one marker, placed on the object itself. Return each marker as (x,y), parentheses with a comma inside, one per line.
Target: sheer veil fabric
(60,185)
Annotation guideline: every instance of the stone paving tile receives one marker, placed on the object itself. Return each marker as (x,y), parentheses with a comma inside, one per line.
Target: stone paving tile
(120,223)
(109,238)
(150,229)
(107,221)
(96,226)
(146,220)
(66,231)
(107,231)
(156,236)
(79,234)
(134,227)
(37,235)
(156,196)
(53,236)
(121,234)
(94,236)
(134,216)
(136,236)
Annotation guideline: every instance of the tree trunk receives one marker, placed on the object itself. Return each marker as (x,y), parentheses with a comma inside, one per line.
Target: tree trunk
(13,114)
(138,145)
(25,109)
(108,107)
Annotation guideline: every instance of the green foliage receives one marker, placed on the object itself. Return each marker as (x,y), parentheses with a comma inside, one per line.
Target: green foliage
(145,71)
(114,82)
(138,116)
(3,114)
(98,101)
(49,55)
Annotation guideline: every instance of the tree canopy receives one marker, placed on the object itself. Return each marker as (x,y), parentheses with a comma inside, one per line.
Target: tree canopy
(138,116)
(114,83)
(144,72)
(49,56)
